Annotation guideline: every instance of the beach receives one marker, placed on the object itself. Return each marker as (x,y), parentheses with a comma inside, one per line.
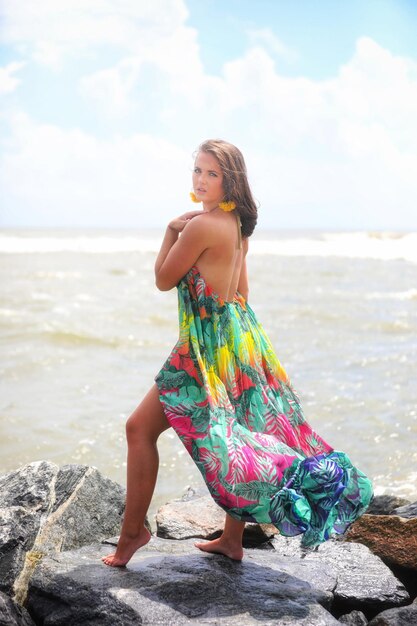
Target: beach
(84,331)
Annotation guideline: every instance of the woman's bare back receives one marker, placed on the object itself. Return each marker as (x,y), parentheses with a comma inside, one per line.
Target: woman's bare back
(221,264)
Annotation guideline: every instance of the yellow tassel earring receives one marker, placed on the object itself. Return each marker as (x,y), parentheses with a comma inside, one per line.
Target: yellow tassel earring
(194,197)
(227,206)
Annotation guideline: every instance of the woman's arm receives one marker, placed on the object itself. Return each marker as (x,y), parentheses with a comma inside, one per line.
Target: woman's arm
(178,254)
(171,236)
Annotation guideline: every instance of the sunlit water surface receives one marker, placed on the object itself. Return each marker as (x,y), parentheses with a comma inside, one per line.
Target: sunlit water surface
(84,331)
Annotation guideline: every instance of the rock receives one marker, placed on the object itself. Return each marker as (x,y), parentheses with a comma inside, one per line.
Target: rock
(46,509)
(87,507)
(185,518)
(29,486)
(408,510)
(363,581)
(404,616)
(171,582)
(354,618)
(196,514)
(385,505)
(408,578)
(18,530)
(391,537)
(13,615)
(258,535)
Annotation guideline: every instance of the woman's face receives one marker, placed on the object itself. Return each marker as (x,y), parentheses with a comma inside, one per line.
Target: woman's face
(208,179)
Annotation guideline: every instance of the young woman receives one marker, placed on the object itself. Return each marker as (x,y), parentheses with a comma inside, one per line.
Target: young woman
(225,392)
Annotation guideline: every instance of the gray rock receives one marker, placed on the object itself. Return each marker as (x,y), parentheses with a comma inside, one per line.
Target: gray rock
(29,486)
(385,505)
(13,615)
(408,510)
(404,616)
(196,514)
(46,509)
(171,582)
(354,618)
(18,530)
(87,507)
(363,581)
(190,517)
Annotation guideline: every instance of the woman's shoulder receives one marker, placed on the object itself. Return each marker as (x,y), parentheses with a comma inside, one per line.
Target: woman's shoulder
(208,223)
(214,229)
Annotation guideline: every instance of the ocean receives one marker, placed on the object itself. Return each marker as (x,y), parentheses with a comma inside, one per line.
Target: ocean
(84,331)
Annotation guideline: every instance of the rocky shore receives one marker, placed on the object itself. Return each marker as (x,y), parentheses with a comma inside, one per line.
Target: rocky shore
(56,523)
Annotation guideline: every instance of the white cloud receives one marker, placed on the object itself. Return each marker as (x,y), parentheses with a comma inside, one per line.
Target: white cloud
(110,89)
(48,53)
(9,82)
(50,30)
(172,56)
(70,178)
(266,37)
(339,151)
(376,87)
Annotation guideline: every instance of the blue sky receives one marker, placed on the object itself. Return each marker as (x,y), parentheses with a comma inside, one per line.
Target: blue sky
(103,104)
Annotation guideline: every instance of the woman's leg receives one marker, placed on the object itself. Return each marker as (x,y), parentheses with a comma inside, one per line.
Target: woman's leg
(230,541)
(143,428)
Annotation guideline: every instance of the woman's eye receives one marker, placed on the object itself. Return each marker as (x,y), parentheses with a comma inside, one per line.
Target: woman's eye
(213,174)
(196,170)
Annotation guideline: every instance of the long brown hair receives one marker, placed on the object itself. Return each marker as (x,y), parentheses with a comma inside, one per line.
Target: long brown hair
(235,181)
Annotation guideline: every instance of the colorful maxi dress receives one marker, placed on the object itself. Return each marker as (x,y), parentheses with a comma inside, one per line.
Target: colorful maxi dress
(234,408)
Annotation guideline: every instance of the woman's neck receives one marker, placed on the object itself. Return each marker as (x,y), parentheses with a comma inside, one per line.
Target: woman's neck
(210,207)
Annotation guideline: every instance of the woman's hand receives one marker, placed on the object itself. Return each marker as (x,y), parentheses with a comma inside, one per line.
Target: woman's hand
(179,223)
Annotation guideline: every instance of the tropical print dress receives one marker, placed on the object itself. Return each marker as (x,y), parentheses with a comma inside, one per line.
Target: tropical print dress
(232,404)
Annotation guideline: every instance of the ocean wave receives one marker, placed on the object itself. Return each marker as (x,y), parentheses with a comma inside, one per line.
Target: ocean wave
(405,487)
(409,294)
(396,326)
(96,244)
(71,336)
(364,244)
(359,245)
(68,337)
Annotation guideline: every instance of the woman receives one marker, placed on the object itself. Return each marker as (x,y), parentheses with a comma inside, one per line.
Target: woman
(224,391)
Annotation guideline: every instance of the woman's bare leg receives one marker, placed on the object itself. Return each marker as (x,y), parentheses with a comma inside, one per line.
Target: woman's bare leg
(230,541)
(143,428)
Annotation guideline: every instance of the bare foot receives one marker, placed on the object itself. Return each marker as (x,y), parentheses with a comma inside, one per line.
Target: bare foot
(126,547)
(222,546)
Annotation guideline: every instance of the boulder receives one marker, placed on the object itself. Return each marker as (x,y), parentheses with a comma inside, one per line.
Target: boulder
(46,509)
(190,517)
(29,486)
(171,582)
(385,505)
(196,514)
(354,618)
(408,510)
(13,615)
(391,537)
(404,616)
(18,530)
(52,520)
(363,581)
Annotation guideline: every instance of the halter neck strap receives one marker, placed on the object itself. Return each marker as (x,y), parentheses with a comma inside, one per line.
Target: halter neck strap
(239,231)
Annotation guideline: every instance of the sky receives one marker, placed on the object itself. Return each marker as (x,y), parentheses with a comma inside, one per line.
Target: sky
(103,103)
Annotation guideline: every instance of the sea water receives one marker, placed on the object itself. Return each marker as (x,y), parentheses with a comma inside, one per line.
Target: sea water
(84,331)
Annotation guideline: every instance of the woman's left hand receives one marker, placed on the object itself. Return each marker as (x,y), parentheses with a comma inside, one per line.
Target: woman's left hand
(179,223)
